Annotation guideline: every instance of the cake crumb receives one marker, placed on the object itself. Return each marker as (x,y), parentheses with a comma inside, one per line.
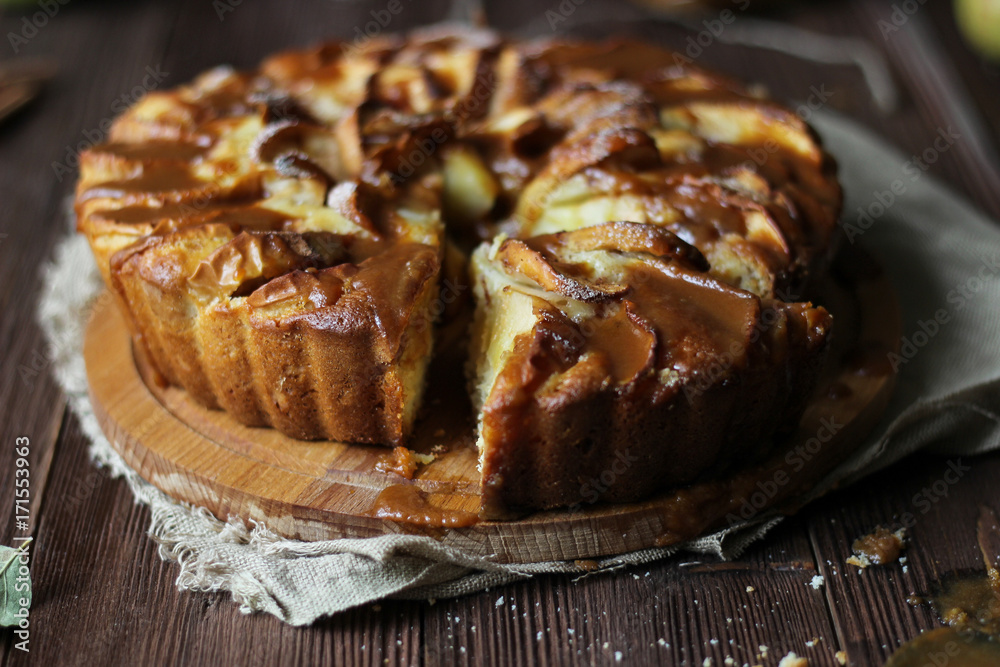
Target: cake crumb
(618,656)
(879,547)
(841,657)
(403,462)
(499,601)
(707,662)
(399,461)
(860,562)
(792,660)
(817,581)
(763,650)
(750,589)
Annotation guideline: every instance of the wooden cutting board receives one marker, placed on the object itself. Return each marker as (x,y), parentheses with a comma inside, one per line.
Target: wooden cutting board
(325,490)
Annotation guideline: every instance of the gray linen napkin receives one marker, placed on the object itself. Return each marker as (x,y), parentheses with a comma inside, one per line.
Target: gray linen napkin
(941,254)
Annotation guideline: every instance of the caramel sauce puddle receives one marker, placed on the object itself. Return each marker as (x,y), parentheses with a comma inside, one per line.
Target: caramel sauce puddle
(408,504)
(969,606)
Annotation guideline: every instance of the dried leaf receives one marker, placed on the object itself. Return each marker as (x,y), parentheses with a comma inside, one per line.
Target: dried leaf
(15,588)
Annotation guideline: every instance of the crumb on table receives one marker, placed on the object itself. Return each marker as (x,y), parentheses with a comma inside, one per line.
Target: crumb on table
(879,547)
(792,660)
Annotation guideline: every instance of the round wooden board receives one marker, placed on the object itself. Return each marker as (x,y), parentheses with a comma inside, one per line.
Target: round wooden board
(325,490)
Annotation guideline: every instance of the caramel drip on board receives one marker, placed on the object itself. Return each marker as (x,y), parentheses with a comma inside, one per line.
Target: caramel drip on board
(408,504)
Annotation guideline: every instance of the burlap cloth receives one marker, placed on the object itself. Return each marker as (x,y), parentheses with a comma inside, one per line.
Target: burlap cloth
(942,255)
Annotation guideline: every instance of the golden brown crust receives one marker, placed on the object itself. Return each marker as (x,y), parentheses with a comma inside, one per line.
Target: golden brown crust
(668,376)
(276,240)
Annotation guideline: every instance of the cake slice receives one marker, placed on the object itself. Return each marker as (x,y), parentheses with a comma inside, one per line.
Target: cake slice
(252,276)
(610,364)
(284,329)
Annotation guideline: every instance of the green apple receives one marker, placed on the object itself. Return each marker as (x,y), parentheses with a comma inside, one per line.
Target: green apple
(979,21)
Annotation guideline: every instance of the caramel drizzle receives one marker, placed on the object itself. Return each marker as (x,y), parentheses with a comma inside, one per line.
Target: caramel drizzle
(586,120)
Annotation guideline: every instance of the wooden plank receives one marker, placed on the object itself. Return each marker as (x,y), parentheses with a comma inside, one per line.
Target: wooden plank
(980,78)
(789,78)
(42,134)
(162,618)
(119,42)
(207,35)
(943,102)
(30,403)
(101,591)
(698,607)
(938,499)
(873,629)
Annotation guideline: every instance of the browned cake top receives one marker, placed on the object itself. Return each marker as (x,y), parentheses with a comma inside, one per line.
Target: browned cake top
(351,140)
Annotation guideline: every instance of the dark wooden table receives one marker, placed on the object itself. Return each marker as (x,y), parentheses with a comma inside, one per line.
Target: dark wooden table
(102,594)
